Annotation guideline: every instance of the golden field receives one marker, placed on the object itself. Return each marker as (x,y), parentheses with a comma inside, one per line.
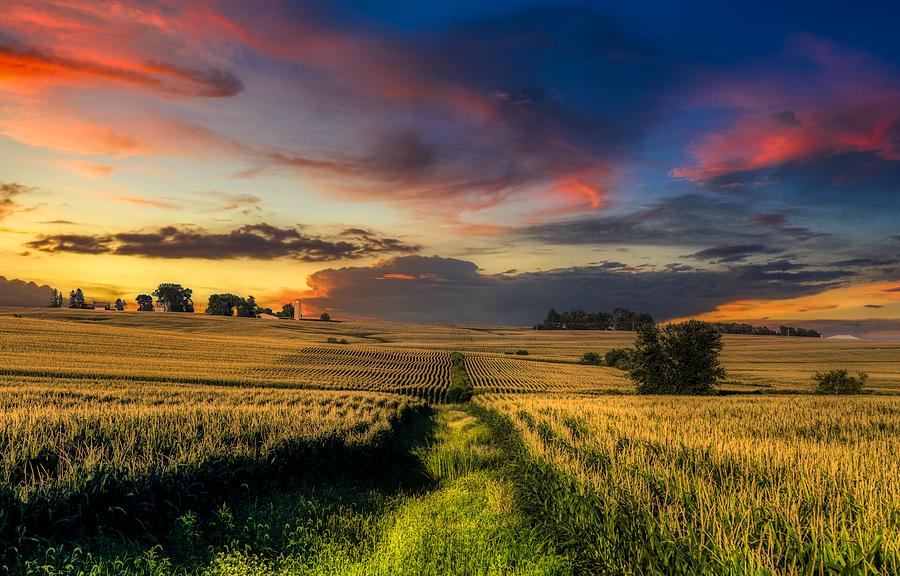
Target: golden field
(407,358)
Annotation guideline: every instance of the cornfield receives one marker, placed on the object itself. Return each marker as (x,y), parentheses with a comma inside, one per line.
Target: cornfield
(117,423)
(749,485)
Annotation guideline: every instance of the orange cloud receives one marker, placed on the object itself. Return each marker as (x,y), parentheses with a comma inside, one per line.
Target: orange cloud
(69,133)
(87,169)
(875,300)
(142,201)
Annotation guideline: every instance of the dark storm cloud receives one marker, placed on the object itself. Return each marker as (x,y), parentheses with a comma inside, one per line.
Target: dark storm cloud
(19,293)
(689,220)
(734,252)
(448,290)
(258,241)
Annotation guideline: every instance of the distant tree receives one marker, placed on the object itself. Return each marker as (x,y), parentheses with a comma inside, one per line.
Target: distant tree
(287,311)
(679,359)
(175,297)
(619,319)
(590,358)
(325,317)
(76,299)
(261,310)
(56,301)
(839,382)
(223,304)
(144,302)
(247,307)
(120,304)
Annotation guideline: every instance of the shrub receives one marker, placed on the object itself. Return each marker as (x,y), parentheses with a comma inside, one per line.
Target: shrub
(617,358)
(839,382)
(521,352)
(325,317)
(591,359)
(679,359)
(333,340)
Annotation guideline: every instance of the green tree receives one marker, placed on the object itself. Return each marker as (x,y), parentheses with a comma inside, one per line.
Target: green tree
(648,362)
(839,382)
(144,302)
(590,358)
(120,304)
(174,297)
(679,359)
(692,349)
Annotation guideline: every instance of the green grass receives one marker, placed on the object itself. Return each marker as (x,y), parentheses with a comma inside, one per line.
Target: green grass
(466,524)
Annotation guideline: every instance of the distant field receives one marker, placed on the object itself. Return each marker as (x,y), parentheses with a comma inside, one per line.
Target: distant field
(405,358)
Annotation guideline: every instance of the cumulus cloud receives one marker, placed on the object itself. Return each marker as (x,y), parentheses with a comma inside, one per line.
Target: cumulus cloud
(20,293)
(258,241)
(419,288)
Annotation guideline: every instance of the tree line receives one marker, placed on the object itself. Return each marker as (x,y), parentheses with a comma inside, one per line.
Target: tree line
(177,298)
(735,328)
(76,301)
(618,319)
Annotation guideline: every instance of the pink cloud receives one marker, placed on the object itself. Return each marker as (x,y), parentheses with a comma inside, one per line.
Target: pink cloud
(851,103)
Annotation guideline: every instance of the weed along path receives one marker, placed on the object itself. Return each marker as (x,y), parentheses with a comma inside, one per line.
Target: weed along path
(459,520)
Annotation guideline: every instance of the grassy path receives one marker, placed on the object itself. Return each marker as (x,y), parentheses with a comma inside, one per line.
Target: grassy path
(465,525)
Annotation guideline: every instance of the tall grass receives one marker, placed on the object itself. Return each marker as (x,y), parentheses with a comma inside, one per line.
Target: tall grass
(715,485)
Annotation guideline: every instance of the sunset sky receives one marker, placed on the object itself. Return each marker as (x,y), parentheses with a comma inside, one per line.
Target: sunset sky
(458,161)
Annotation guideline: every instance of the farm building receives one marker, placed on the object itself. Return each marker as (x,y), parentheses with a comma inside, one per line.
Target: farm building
(99,305)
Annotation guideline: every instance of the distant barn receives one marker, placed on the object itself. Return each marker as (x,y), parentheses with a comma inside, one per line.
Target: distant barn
(98,305)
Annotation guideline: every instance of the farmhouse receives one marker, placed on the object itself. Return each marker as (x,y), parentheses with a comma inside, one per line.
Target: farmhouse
(99,305)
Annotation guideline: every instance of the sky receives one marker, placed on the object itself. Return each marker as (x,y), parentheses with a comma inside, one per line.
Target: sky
(459,161)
